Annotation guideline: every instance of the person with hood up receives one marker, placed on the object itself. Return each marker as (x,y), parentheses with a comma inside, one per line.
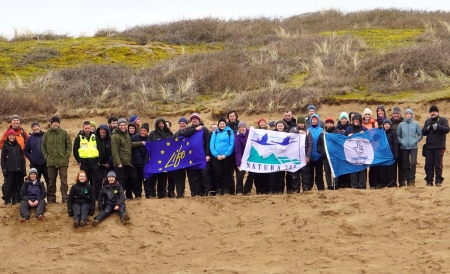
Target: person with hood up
(121,150)
(396,119)
(33,195)
(132,129)
(311,110)
(104,152)
(304,171)
(387,174)
(239,147)
(222,148)
(358,179)
(21,133)
(409,135)
(111,199)
(81,201)
(332,184)
(157,184)
(436,129)
(316,163)
(381,116)
(33,151)
(140,159)
(13,168)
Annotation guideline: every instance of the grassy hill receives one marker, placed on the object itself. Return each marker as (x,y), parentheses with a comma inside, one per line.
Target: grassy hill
(253,65)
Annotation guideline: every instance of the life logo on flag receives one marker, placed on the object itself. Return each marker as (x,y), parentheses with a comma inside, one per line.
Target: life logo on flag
(271,151)
(358,151)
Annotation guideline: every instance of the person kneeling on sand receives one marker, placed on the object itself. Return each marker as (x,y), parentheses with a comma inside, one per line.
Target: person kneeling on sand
(33,195)
(111,199)
(81,201)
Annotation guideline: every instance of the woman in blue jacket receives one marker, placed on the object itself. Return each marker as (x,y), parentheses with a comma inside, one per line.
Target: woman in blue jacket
(221,147)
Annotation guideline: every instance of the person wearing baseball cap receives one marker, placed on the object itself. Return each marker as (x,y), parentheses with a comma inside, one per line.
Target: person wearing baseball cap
(435,129)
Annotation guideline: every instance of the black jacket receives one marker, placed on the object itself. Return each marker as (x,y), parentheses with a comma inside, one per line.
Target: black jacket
(308,141)
(12,158)
(234,126)
(139,154)
(76,146)
(392,138)
(160,134)
(436,138)
(111,194)
(321,144)
(33,150)
(81,193)
(341,127)
(104,147)
(291,124)
(39,192)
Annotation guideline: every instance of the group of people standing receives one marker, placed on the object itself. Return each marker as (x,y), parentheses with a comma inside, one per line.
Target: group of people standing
(112,156)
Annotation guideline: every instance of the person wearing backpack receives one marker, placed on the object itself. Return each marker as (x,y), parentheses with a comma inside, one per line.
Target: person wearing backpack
(221,147)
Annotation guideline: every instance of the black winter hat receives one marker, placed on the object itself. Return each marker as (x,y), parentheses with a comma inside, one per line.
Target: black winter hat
(146,126)
(434,108)
(55,119)
(221,120)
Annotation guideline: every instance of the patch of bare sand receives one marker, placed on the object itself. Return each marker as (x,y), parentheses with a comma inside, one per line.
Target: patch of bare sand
(345,231)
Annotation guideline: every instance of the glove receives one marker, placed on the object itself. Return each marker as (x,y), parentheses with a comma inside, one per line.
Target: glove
(70,213)
(435,127)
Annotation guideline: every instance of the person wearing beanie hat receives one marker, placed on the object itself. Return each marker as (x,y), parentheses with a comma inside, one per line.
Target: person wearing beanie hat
(183,120)
(56,148)
(332,183)
(344,122)
(387,174)
(136,120)
(121,150)
(369,122)
(242,124)
(33,151)
(272,125)
(13,168)
(357,179)
(239,147)
(55,119)
(435,129)
(111,199)
(262,123)
(121,121)
(146,127)
(311,111)
(86,153)
(409,135)
(301,119)
(221,148)
(195,115)
(32,194)
(396,119)
(21,133)
(81,200)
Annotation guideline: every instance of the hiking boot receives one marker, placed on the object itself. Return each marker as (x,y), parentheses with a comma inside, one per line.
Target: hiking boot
(429,183)
(64,200)
(40,217)
(290,191)
(82,223)
(22,220)
(95,223)
(76,223)
(411,183)
(438,184)
(125,218)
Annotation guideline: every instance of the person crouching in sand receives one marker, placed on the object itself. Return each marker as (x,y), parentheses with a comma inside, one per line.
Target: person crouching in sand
(110,199)
(33,195)
(81,201)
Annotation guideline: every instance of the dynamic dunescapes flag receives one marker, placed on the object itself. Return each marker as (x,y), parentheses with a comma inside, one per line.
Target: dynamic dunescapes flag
(268,151)
(175,153)
(355,153)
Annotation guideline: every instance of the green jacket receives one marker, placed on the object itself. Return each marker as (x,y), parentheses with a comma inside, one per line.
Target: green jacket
(121,146)
(56,147)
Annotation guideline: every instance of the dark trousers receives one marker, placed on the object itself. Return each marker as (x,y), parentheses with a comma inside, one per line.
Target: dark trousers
(104,173)
(195,181)
(409,157)
(399,166)
(51,189)
(80,211)
(316,174)
(180,182)
(108,210)
(386,176)
(240,187)
(94,176)
(359,179)
(222,174)
(332,183)
(277,182)
(137,175)
(25,209)
(303,176)
(42,171)
(433,165)
(344,181)
(373,176)
(211,177)
(156,186)
(123,176)
(261,182)
(170,184)
(11,187)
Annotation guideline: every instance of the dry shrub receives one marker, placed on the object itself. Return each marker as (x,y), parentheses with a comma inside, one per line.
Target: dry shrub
(24,103)
(37,55)
(43,36)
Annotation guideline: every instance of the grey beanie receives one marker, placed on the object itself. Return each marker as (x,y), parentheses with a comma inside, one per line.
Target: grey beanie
(121,120)
(15,116)
(242,124)
(32,170)
(111,174)
(396,110)
(34,123)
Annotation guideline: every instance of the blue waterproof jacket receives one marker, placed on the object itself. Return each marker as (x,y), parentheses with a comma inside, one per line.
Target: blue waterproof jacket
(222,142)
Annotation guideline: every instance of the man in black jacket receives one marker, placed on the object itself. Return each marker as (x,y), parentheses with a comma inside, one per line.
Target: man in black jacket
(104,150)
(140,159)
(33,151)
(436,129)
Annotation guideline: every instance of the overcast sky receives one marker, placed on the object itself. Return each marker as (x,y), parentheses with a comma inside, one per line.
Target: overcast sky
(85,17)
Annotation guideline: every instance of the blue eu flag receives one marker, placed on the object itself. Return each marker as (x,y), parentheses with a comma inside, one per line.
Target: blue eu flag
(175,153)
(356,153)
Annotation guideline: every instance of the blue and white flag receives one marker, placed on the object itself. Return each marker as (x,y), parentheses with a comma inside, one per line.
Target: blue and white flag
(269,151)
(356,153)
(175,153)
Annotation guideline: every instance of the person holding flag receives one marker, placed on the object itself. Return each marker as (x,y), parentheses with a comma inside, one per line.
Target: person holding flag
(329,129)
(316,163)
(358,179)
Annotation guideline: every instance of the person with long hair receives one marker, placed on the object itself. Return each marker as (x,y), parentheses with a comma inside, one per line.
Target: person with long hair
(81,200)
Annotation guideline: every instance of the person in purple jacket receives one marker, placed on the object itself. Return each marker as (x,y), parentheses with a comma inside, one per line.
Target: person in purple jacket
(239,147)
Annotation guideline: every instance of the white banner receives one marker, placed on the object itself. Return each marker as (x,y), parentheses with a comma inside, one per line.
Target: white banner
(269,151)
